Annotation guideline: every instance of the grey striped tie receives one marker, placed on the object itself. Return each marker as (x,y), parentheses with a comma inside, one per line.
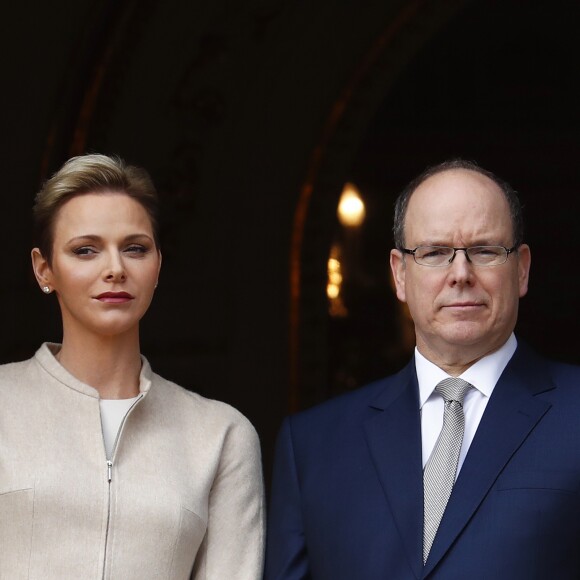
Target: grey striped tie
(440,471)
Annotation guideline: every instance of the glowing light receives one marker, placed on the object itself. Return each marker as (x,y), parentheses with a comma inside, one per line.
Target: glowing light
(351,208)
(334,278)
(336,307)
(332,291)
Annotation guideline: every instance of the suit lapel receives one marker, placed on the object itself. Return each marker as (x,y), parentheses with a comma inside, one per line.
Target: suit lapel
(394,440)
(511,414)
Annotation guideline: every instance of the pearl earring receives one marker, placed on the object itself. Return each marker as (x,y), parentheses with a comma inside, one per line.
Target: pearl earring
(46,289)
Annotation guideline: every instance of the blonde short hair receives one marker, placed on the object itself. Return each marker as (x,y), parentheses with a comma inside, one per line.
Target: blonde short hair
(90,173)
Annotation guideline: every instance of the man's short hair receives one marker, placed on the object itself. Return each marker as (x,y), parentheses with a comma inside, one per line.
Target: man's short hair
(510,193)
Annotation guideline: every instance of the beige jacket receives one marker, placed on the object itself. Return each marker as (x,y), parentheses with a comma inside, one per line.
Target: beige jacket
(182,496)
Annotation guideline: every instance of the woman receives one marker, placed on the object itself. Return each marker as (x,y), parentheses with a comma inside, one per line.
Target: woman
(108,470)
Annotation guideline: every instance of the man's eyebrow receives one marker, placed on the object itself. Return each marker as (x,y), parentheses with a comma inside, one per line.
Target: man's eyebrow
(476,242)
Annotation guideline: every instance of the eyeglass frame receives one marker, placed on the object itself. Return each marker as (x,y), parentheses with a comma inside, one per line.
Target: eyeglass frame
(508,251)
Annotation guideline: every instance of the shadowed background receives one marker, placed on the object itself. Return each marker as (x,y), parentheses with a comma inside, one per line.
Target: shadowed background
(251,116)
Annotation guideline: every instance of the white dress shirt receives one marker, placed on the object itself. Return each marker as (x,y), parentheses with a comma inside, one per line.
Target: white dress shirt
(483,375)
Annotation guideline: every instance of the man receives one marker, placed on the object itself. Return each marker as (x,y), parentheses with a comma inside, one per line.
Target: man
(422,475)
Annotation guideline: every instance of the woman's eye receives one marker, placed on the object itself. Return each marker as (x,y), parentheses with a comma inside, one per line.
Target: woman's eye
(136,249)
(83,251)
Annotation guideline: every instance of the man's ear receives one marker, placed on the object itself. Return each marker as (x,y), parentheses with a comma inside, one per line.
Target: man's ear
(524,262)
(399,270)
(41,269)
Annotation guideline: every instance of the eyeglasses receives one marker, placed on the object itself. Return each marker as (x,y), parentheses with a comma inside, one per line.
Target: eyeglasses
(436,256)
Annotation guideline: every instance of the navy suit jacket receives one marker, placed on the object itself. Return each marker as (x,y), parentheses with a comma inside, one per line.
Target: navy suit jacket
(347,493)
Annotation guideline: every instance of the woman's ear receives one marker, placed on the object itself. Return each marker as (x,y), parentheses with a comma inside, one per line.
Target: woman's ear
(42,270)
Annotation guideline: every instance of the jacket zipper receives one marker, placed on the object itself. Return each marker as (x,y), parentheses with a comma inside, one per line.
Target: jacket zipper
(110,478)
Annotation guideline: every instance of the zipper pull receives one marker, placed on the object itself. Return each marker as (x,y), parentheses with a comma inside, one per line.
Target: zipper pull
(109,470)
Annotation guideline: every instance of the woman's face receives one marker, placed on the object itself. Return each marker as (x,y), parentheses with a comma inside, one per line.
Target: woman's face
(105,264)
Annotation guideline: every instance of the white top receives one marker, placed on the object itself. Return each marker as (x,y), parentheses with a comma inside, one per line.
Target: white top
(113,412)
(483,375)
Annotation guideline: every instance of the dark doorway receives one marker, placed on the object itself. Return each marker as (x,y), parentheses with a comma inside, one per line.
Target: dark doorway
(497,85)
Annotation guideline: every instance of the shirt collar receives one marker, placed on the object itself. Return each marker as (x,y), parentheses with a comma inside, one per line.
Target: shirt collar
(483,374)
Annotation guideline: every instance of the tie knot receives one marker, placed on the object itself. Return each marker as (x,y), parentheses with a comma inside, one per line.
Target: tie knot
(453,389)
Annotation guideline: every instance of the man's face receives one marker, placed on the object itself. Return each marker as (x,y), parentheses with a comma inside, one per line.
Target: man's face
(461,312)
